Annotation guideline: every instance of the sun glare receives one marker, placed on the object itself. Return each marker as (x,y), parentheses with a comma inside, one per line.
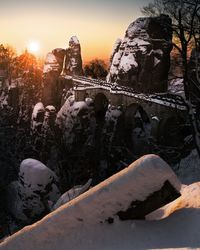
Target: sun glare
(33,47)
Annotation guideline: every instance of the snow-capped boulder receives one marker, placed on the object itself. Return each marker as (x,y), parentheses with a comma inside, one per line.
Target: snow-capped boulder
(28,196)
(142,59)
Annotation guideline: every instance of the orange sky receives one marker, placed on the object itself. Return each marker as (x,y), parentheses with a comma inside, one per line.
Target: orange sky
(96,26)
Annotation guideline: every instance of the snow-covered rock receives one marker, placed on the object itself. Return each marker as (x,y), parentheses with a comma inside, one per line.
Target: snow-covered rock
(72,194)
(112,116)
(51,72)
(142,59)
(3,99)
(37,116)
(50,109)
(73,41)
(49,117)
(28,196)
(51,63)
(176,86)
(76,119)
(115,48)
(59,65)
(113,113)
(72,64)
(90,220)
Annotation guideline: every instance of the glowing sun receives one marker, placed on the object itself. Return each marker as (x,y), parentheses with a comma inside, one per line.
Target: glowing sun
(33,47)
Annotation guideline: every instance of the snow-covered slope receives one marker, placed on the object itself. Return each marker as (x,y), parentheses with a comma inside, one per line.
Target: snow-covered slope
(64,230)
(84,223)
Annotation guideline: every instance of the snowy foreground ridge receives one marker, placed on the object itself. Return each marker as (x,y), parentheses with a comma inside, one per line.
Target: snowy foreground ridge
(81,224)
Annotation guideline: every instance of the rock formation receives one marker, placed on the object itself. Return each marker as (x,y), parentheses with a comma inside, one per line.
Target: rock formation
(51,74)
(37,117)
(59,65)
(28,197)
(77,122)
(72,61)
(142,59)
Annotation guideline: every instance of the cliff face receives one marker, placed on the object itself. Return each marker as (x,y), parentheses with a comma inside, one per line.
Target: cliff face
(142,59)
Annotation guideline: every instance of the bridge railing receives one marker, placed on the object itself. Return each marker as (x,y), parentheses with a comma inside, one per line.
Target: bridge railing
(166,99)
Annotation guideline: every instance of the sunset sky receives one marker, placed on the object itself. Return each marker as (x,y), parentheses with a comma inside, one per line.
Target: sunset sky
(51,23)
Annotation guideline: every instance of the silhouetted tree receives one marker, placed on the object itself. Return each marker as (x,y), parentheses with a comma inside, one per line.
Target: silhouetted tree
(7,60)
(26,62)
(96,69)
(185,15)
(185,25)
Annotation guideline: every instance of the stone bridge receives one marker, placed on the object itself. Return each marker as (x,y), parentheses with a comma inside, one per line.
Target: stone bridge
(166,114)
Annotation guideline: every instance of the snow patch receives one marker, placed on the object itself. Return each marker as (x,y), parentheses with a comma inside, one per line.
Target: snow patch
(74,40)
(127,63)
(176,86)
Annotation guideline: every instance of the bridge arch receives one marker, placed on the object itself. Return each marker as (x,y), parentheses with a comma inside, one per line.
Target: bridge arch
(100,105)
(137,129)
